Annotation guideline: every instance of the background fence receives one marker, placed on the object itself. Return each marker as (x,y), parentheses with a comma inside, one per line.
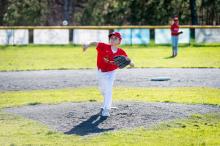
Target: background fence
(22,35)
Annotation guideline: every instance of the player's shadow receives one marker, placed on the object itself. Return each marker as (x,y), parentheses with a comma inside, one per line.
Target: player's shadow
(169,57)
(89,126)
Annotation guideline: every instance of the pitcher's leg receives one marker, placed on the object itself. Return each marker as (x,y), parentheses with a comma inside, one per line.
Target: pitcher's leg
(106,85)
(102,78)
(110,76)
(101,82)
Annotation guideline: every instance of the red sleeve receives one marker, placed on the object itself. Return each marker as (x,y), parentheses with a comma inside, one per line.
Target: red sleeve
(100,46)
(172,28)
(122,52)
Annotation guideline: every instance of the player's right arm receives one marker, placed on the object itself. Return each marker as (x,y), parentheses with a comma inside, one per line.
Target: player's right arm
(86,46)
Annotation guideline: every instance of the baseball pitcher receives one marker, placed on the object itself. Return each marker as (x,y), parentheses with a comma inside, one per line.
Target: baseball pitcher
(109,58)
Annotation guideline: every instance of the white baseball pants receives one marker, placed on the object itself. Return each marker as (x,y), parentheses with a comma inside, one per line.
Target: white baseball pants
(106,80)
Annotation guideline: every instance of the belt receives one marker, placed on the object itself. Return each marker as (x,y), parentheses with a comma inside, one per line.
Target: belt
(104,70)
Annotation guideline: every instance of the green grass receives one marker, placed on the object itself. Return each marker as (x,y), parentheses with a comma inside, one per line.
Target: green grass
(71,57)
(189,95)
(196,130)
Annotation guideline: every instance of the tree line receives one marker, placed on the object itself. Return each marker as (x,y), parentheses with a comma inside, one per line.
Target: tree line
(108,12)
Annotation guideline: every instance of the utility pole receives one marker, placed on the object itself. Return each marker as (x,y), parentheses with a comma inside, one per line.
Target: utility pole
(193,12)
(193,16)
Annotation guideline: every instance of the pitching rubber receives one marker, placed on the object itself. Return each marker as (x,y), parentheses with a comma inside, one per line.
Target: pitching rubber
(160,79)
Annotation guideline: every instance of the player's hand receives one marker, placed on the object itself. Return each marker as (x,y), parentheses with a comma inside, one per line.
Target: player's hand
(131,65)
(85,47)
(180,32)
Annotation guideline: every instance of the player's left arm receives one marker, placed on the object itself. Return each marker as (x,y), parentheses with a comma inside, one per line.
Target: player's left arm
(131,65)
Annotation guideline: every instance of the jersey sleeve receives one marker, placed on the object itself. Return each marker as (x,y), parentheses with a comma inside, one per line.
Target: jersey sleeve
(100,46)
(172,29)
(122,52)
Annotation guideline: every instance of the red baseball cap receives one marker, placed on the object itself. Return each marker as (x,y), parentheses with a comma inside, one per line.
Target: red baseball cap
(117,34)
(175,18)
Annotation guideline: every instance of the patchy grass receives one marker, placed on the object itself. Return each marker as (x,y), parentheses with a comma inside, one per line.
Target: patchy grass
(196,130)
(31,57)
(189,95)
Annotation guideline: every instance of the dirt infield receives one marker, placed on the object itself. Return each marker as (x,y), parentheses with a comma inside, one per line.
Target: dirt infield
(55,79)
(83,118)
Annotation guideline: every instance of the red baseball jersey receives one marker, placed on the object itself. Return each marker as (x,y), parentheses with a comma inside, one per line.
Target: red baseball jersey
(174,29)
(105,51)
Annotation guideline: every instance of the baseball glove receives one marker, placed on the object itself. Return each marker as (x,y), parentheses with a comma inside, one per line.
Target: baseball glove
(121,61)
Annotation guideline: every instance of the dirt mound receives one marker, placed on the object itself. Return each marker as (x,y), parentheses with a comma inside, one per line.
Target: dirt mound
(83,118)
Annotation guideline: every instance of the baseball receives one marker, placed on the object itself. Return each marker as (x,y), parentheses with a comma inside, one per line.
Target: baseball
(65,22)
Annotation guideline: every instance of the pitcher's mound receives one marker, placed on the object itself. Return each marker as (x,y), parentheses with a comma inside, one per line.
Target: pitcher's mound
(83,118)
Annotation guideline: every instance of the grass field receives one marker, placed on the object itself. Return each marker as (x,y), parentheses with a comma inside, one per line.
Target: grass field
(196,130)
(71,57)
(188,95)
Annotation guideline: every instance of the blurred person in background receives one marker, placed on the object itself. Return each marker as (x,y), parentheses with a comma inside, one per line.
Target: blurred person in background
(174,35)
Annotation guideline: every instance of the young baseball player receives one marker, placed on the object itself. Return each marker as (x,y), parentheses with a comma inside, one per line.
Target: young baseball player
(174,35)
(106,67)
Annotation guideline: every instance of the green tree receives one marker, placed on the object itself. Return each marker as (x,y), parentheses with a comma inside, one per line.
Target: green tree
(3,8)
(107,12)
(25,12)
(133,12)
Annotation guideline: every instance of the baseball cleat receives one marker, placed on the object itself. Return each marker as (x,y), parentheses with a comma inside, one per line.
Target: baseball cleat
(105,113)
